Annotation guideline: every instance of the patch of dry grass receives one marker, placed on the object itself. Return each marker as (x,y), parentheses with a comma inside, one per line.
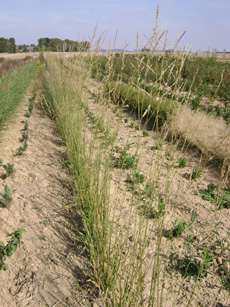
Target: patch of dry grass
(211,135)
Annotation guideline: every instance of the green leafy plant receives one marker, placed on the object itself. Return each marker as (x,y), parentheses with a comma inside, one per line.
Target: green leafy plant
(182,162)
(196,265)
(125,160)
(6,251)
(196,172)
(27,114)
(6,197)
(178,229)
(217,196)
(9,168)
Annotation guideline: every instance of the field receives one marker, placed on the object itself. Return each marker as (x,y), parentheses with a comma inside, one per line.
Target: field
(140,187)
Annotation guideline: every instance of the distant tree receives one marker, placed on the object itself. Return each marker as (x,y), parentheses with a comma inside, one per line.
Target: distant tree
(3,44)
(7,45)
(56,44)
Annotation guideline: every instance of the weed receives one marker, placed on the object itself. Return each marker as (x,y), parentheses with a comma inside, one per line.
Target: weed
(217,196)
(125,159)
(196,265)
(9,168)
(6,197)
(126,120)
(196,172)
(182,162)
(178,229)
(145,133)
(137,127)
(139,178)
(8,249)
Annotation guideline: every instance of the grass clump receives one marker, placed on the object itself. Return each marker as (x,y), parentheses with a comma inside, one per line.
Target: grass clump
(13,86)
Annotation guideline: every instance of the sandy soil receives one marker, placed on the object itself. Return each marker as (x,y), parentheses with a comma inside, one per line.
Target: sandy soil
(47,267)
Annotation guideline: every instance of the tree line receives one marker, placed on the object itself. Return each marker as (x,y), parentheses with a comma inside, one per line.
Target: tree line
(44,44)
(7,45)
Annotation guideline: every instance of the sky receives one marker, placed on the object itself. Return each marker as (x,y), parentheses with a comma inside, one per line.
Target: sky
(206,22)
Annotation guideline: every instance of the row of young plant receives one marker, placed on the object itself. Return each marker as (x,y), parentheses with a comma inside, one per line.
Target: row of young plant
(8,249)
(157,75)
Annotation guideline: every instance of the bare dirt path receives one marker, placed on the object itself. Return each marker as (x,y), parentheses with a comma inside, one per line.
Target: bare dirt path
(44,269)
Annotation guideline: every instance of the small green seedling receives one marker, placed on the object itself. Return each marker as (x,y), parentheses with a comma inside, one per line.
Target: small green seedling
(9,168)
(25,135)
(182,162)
(31,106)
(21,149)
(5,197)
(178,229)
(27,114)
(26,126)
(32,98)
(196,172)
(8,249)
